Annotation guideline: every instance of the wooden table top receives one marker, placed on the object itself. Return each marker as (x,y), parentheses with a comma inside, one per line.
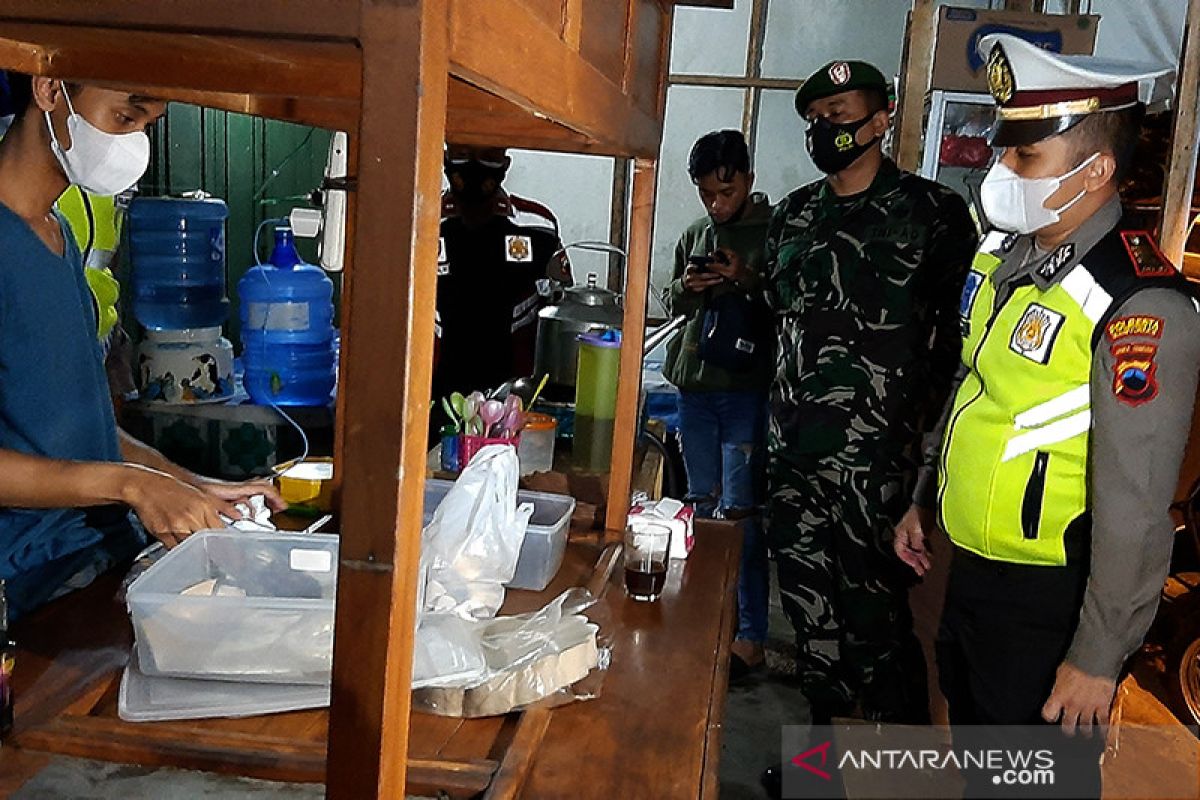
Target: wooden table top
(653,731)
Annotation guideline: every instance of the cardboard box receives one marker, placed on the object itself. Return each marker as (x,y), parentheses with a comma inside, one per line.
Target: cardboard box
(956,62)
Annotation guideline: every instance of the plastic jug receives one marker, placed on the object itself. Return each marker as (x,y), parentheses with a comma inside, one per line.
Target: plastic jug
(177,249)
(287,329)
(596,399)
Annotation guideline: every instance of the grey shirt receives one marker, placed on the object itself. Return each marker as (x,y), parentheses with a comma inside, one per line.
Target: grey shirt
(1136,448)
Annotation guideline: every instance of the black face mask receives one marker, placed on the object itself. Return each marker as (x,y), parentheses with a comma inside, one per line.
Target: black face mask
(473,180)
(832,145)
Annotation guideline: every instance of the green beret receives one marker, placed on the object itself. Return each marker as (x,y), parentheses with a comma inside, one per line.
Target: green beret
(837,77)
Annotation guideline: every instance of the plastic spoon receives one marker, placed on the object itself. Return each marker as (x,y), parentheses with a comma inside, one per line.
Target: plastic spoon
(454,420)
(538,391)
(491,412)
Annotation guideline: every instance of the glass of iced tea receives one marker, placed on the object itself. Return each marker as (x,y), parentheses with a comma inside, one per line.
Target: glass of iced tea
(647,548)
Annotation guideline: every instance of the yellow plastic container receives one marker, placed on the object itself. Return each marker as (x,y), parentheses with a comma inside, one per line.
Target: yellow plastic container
(308,485)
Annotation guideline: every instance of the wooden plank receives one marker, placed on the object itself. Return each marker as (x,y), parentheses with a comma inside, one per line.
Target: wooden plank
(1181,169)
(917,64)
(477,117)
(710,786)
(603,36)
(387,355)
(328,70)
(788,84)
(309,18)
(518,757)
(629,387)
(485,52)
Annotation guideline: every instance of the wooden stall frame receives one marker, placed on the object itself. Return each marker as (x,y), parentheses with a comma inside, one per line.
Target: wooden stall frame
(396,75)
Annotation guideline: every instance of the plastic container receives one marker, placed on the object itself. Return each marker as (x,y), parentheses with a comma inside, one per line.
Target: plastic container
(596,400)
(148,698)
(545,537)
(288,347)
(307,486)
(185,366)
(177,251)
(536,450)
(279,631)
(468,446)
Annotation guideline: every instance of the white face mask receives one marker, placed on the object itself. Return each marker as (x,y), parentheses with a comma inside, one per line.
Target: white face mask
(102,163)
(1017,204)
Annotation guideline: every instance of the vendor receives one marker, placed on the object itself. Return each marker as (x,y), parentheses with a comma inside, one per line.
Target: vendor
(1080,370)
(71,477)
(498,259)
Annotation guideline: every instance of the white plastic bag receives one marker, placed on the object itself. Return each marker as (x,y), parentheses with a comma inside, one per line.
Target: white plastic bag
(472,543)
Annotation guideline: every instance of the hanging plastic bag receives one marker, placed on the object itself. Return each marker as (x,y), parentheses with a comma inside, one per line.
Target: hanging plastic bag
(472,543)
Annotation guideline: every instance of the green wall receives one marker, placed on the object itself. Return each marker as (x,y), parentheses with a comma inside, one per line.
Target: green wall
(235,157)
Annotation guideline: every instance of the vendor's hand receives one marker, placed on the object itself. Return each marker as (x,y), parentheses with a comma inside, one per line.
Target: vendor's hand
(242,492)
(696,280)
(729,264)
(1079,699)
(170,509)
(911,540)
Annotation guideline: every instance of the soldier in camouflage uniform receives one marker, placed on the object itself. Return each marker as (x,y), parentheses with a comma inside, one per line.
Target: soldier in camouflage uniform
(865,272)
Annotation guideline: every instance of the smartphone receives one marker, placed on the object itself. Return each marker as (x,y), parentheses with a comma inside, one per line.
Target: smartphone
(700,263)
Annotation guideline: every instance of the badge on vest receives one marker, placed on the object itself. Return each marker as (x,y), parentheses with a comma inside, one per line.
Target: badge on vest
(519,249)
(970,291)
(1134,381)
(443,259)
(1034,335)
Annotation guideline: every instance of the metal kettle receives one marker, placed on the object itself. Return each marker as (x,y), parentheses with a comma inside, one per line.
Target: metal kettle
(581,309)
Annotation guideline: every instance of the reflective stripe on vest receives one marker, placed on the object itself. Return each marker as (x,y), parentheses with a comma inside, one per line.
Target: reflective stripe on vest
(1013,474)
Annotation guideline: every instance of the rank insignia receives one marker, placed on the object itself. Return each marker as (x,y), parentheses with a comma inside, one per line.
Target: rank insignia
(518,248)
(1134,380)
(1000,76)
(1057,260)
(1148,260)
(1124,327)
(1035,333)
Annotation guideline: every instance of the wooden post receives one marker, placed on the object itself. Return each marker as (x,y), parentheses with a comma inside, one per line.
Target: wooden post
(633,335)
(1181,169)
(916,68)
(385,385)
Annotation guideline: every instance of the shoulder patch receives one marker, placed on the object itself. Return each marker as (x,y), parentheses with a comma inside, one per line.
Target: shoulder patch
(1124,327)
(1148,261)
(1134,379)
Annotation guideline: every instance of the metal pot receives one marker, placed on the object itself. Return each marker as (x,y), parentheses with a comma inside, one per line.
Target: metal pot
(582,309)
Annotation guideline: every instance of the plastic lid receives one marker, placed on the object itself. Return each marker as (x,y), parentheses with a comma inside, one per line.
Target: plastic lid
(539,422)
(185,336)
(609,338)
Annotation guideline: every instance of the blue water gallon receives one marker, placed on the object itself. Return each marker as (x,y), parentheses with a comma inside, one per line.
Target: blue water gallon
(177,248)
(287,329)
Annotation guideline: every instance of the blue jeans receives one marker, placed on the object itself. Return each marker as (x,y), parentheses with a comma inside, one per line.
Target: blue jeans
(723,436)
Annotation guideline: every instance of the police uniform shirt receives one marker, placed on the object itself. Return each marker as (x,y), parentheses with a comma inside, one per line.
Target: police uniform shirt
(1143,384)
(492,280)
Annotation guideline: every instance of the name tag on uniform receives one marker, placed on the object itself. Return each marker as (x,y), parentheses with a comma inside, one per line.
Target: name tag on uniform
(1034,335)
(443,259)
(518,249)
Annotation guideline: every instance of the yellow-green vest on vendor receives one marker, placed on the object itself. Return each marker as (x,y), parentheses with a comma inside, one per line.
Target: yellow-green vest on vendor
(95,222)
(1013,469)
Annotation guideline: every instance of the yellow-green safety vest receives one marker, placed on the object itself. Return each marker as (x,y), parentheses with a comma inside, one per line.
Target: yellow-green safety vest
(1013,470)
(95,222)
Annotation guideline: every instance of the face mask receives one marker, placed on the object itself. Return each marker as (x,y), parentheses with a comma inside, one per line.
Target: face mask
(102,163)
(833,146)
(1017,204)
(474,180)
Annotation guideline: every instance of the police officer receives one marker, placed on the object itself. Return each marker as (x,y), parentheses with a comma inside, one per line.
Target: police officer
(498,257)
(865,268)
(1062,445)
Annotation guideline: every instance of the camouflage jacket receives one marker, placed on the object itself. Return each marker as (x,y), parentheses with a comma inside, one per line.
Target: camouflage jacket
(866,292)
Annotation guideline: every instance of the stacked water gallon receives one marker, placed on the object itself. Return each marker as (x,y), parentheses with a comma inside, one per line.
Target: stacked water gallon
(177,249)
(288,347)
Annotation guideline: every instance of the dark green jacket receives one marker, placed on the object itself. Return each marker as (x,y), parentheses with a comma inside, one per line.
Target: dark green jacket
(866,293)
(745,236)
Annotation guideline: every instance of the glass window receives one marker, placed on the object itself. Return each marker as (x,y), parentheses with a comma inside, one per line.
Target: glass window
(711,41)
(800,37)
